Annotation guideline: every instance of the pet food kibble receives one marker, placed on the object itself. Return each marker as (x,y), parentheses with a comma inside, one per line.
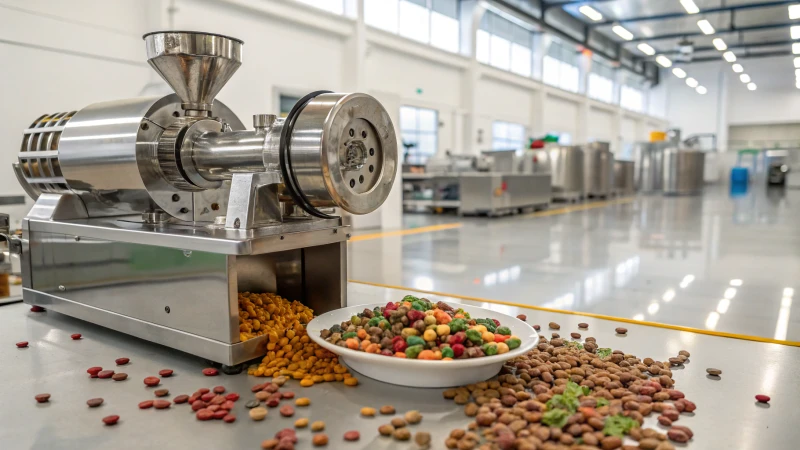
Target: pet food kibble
(105,374)
(37,308)
(387,409)
(219,389)
(522,317)
(233,396)
(94,370)
(287,411)
(165,373)
(22,344)
(352,381)
(94,402)
(386,429)
(119,376)
(352,435)
(122,361)
(146,404)
(75,336)
(287,394)
(422,438)
(317,425)
(401,434)
(210,372)
(258,413)
(621,330)
(161,404)
(269,444)
(367,411)
(575,335)
(583,325)
(181,399)
(302,401)
(712,371)
(537,327)
(762,398)
(684,353)
(229,418)
(111,420)
(320,440)
(161,392)
(262,395)
(42,398)
(554,326)
(152,381)
(306,382)
(220,414)
(207,414)
(398,422)
(301,423)
(208,396)
(413,417)
(677,435)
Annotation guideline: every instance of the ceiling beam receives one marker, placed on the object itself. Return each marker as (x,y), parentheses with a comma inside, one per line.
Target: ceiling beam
(571,2)
(683,14)
(750,56)
(734,46)
(767,26)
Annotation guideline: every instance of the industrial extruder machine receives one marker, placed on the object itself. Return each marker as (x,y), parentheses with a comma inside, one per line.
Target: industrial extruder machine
(152,214)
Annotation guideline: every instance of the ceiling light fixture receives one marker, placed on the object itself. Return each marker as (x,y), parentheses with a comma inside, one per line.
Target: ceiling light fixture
(730,293)
(591,13)
(797,62)
(745,79)
(751,86)
(620,31)
(737,68)
(678,72)
(664,61)
(796,48)
(736,282)
(719,44)
(701,90)
(646,49)
(794,11)
(795,31)
(691,8)
(691,82)
(729,56)
(705,26)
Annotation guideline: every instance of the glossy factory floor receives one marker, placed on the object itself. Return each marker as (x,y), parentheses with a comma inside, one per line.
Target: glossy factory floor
(712,262)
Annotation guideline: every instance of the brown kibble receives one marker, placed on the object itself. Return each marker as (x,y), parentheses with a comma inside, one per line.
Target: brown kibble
(413,417)
(422,438)
(161,392)
(471,409)
(398,422)
(386,429)
(522,317)
(583,325)
(111,420)
(461,399)
(712,371)
(368,412)
(684,429)
(664,420)
(684,353)
(287,411)
(555,335)
(42,398)
(401,434)
(621,330)
(485,419)
(352,436)
(610,443)
(301,423)
(319,440)
(677,436)
(554,326)
(258,413)
(537,327)
(388,409)
(262,395)
(119,376)
(94,402)
(575,335)
(649,444)
(152,381)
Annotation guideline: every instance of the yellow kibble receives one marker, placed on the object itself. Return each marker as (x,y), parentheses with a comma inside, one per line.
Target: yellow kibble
(352,381)
(306,382)
(302,401)
(301,423)
(429,335)
(442,330)
(328,377)
(339,377)
(367,411)
(317,379)
(317,426)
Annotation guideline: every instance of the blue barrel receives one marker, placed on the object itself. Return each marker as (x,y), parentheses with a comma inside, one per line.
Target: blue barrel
(739,175)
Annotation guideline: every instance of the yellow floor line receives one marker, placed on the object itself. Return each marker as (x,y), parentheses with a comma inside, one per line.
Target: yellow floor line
(406,232)
(450,226)
(744,337)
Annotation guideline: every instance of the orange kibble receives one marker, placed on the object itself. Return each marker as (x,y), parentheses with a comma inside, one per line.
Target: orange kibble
(362,334)
(306,382)
(352,381)
(426,354)
(352,344)
(400,355)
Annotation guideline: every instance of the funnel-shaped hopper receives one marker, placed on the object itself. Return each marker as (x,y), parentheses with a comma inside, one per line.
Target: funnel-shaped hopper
(196,65)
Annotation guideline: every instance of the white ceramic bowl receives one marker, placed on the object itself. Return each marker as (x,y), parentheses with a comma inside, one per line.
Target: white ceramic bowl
(422,373)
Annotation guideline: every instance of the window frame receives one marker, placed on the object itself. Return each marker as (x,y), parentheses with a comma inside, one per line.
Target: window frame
(508,142)
(433,14)
(421,157)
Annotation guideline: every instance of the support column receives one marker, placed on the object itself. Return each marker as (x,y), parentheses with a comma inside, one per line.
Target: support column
(471,14)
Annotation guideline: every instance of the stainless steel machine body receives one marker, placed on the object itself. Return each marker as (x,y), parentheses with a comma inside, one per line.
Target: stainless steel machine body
(567,169)
(683,171)
(152,214)
(624,177)
(649,159)
(598,169)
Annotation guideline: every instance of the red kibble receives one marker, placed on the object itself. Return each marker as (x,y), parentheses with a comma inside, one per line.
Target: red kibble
(458,350)
(271,388)
(181,399)
(287,433)
(220,414)
(22,344)
(258,387)
(122,361)
(75,336)
(146,404)
(208,396)
(273,402)
(210,372)
(218,400)
(161,404)
(202,391)
(93,370)
(105,374)
(689,406)
(37,308)
(352,436)
(194,397)
(287,394)
(537,327)
(94,402)
(233,396)
(165,373)
(204,414)
(152,381)
(229,418)
(762,398)
(287,411)
(227,405)
(198,405)
(214,408)
(119,376)
(42,398)
(111,420)
(219,389)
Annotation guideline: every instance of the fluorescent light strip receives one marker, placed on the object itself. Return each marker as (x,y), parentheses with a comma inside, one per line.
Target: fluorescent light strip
(646,49)
(730,293)
(797,62)
(729,56)
(705,26)
(678,72)
(691,82)
(794,11)
(664,61)
(751,86)
(669,295)
(745,78)
(620,31)
(737,68)
(701,90)
(690,7)
(795,32)
(723,305)
(591,13)
(736,282)
(796,48)
(719,44)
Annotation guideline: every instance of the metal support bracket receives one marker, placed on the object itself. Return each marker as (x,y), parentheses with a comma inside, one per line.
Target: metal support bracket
(253,200)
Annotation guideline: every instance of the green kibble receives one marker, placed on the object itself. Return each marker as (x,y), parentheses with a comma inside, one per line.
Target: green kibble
(505,331)
(350,334)
(513,343)
(415,340)
(489,349)
(419,306)
(410,298)
(430,320)
(474,336)
(374,321)
(413,351)
(355,320)
(457,325)
(447,352)
(384,324)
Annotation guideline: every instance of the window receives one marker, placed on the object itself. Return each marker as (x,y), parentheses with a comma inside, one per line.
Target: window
(601,81)
(287,102)
(560,67)
(505,45)
(507,136)
(433,22)
(419,128)
(334,6)
(632,92)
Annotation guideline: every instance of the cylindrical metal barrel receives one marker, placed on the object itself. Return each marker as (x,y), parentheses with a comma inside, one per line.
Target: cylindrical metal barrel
(624,177)
(598,169)
(683,171)
(649,157)
(566,165)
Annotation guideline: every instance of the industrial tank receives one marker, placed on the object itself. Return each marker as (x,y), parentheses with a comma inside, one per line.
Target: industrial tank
(598,173)
(624,173)
(566,165)
(683,171)
(649,158)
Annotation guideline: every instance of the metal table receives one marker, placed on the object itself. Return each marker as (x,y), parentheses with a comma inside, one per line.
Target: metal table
(727,416)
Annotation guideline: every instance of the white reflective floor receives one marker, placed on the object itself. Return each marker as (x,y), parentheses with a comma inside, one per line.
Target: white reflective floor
(711,261)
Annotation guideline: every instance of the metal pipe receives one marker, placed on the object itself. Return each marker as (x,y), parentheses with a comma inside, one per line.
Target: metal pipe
(217,156)
(682,14)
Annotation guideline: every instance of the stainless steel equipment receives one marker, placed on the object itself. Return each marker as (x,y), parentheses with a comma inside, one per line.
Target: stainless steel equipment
(649,159)
(497,193)
(683,171)
(598,169)
(624,172)
(152,214)
(567,168)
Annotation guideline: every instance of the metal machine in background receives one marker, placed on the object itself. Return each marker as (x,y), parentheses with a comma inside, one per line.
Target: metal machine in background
(151,214)
(672,167)
(683,171)
(598,169)
(565,164)
(624,177)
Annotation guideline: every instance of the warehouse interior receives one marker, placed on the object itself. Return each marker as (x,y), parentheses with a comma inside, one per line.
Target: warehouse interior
(614,163)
